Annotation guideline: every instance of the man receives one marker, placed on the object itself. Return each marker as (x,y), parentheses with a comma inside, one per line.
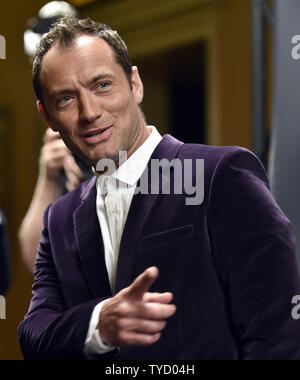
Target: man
(4,257)
(151,275)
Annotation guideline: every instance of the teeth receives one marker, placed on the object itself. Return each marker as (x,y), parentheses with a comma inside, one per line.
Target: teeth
(95,134)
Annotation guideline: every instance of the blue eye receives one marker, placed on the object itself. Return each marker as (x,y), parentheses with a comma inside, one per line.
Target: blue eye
(103,85)
(65,99)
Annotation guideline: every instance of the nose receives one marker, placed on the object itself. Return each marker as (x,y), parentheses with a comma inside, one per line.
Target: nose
(89,108)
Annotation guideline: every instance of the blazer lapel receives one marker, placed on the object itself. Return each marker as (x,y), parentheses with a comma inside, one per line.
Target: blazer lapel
(140,211)
(90,244)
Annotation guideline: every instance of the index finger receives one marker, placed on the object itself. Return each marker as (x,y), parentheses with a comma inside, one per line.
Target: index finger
(143,283)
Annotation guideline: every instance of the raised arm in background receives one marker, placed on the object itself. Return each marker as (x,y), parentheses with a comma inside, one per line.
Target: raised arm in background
(55,157)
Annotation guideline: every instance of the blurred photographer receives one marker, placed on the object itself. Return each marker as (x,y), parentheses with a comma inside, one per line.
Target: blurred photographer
(58,173)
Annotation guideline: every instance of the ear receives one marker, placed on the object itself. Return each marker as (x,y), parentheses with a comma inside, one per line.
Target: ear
(137,85)
(45,115)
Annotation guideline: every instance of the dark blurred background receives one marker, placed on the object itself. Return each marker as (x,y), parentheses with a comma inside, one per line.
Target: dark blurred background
(194,57)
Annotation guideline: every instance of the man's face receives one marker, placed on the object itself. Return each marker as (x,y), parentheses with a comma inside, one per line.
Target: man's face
(89,100)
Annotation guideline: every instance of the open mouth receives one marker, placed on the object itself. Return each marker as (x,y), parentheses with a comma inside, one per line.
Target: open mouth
(97,133)
(96,137)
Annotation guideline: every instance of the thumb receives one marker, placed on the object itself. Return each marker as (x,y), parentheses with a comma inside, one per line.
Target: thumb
(143,283)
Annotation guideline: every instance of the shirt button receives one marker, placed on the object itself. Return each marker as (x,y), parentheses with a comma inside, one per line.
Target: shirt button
(114,209)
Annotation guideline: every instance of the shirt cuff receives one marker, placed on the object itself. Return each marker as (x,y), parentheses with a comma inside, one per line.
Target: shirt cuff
(93,343)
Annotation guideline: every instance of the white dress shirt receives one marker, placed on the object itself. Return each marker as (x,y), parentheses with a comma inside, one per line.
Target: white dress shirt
(114,196)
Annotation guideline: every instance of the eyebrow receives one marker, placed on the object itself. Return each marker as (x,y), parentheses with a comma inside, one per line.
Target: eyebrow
(101,77)
(97,78)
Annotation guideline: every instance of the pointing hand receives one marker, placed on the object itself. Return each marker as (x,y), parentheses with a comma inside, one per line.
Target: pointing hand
(134,316)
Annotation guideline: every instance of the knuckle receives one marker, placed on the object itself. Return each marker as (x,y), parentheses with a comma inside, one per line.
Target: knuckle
(157,327)
(150,327)
(122,293)
(122,309)
(156,313)
(119,310)
(120,324)
(150,339)
(160,326)
(122,338)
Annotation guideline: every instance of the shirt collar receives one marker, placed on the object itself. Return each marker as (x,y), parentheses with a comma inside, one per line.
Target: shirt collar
(132,169)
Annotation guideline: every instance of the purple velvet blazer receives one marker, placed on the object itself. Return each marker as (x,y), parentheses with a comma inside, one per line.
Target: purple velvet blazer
(230,263)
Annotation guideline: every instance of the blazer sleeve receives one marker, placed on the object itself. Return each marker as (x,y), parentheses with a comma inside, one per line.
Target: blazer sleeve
(50,331)
(254,250)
